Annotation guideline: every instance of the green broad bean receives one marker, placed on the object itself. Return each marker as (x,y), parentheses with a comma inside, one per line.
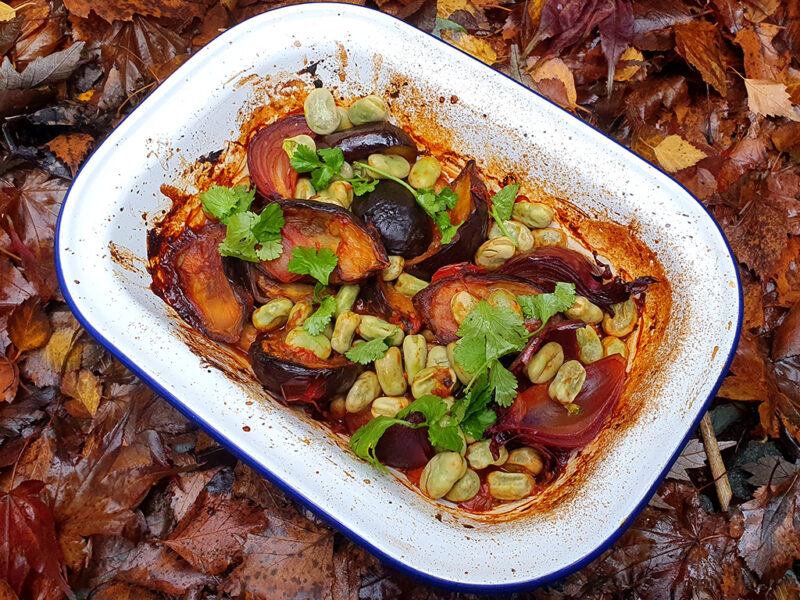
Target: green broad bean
(346,298)
(590,348)
(545,363)
(585,311)
(373,328)
(365,389)
(510,486)
(415,353)
(441,474)
(465,488)
(480,456)
(532,214)
(408,285)
(425,173)
(393,164)
(318,344)
(320,111)
(518,232)
(272,315)
(492,254)
(568,382)
(344,331)
(389,370)
(370,109)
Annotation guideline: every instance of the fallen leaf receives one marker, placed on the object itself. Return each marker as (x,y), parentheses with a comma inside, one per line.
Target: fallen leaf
(43,31)
(210,537)
(124,10)
(72,149)
(747,379)
(477,47)
(85,387)
(28,326)
(761,60)
(653,22)
(616,33)
(293,559)
(555,68)
(28,538)
(7,12)
(41,71)
(771,538)
(759,236)
(771,470)
(185,489)
(626,71)
(770,98)
(9,379)
(674,153)
(159,569)
(693,456)
(700,44)
(124,591)
(786,342)
(748,154)
(565,22)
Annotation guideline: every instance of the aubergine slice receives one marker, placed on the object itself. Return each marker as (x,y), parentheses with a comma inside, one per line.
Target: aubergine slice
(268,163)
(471,212)
(359,142)
(191,278)
(381,298)
(297,376)
(433,303)
(320,225)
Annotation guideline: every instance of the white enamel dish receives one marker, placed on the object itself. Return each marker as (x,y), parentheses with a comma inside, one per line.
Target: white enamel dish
(101,257)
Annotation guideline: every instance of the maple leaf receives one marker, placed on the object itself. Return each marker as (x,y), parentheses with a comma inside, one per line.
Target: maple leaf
(292,559)
(693,456)
(616,33)
(700,44)
(210,536)
(43,70)
(42,31)
(770,98)
(85,387)
(564,22)
(674,153)
(28,538)
(772,470)
(771,538)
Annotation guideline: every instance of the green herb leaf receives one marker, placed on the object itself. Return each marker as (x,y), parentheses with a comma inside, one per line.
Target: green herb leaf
(305,160)
(503,382)
(308,261)
(222,202)
(318,321)
(544,306)
(449,197)
(475,425)
(364,441)
(448,230)
(367,352)
(269,223)
(497,329)
(503,202)
(362,185)
(239,240)
(434,410)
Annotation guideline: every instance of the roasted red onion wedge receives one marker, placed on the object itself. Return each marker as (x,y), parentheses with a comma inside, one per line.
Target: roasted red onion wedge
(268,163)
(403,447)
(359,142)
(321,225)
(537,419)
(296,376)
(433,303)
(471,213)
(381,298)
(548,265)
(190,277)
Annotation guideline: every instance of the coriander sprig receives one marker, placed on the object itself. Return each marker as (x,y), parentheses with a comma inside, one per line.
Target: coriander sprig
(435,205)
(503,206)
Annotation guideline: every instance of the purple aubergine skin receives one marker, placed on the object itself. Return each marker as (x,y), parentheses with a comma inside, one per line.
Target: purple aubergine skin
(470,235)
(359,142)
(376,298)
(403,447)
(291,381)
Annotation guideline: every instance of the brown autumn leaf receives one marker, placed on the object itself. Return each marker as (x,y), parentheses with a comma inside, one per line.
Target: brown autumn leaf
(9,379)
(294,558)
(759,237)
(746,155)
(770,98)
(653,22)
(771,538)
(28,538)
(761,60)
(556,69)
(124,10)
(701,45)
(786,342)
(28,326)
(43,29)
(787,274)
(210,537)
(747,379)
(85,387)
(124,591)
(71,148)
(62,354)
(133,55)
(158,568)
(683,552)
(693,456)
(184,490)
(770,470)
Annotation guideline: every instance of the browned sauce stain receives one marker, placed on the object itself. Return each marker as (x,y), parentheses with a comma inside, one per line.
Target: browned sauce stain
(342,54)
(125,258)
(414,111)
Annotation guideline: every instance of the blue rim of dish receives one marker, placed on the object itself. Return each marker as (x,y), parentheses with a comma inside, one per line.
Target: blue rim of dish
(290,491)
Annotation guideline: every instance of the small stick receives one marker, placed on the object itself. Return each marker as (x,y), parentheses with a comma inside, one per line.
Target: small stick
(718,470)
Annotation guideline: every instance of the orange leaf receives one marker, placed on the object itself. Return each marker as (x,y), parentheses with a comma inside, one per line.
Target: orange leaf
(28,326)
(71,148)
(700,44)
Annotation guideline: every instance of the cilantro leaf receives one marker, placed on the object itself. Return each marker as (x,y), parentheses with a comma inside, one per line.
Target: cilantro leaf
(239,240)
(308,261)
(432,407)
(442,435)
(367,352)
(333,157)
(222,202)
(498,328)
(430,202)
(362,185)
(544,306)
(268,223)
(364,441)
(448,230)
(503,202)
(270,250)
(304,159)
(318,321)
(503,382)
(449,197)
(475,425)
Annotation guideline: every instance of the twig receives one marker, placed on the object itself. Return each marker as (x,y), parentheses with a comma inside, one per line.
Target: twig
(718,470)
